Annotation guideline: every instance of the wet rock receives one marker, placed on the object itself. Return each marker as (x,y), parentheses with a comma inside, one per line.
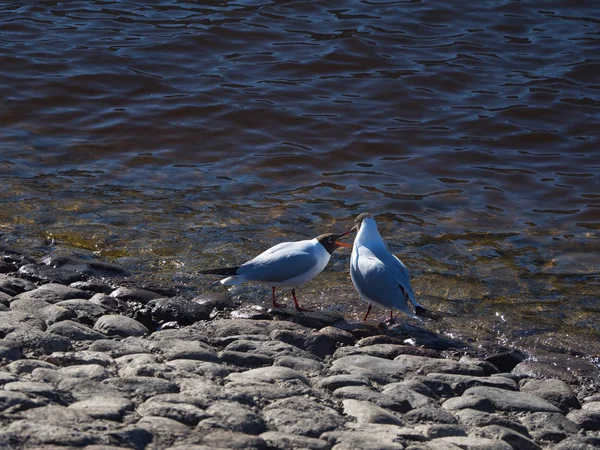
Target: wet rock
(504,400)
(9,351)
(516,440)
(337,381)
(460,383)
(14,286)
(301,416)
(429,414)
(104,407)
(213,300)
(364,393)
(35,341)
(376,369)
(552,427)
(226,328)
(85,266)
(556,392)
(92,286)
(139,295)
(425,365)
(387,351)
(106,302)
(233,417)
(116,325)
(536,369)
(141,388)
(275,439)
(184,413)
(506,361)
(75,331)
(367,412)
(178,309)
(45,274)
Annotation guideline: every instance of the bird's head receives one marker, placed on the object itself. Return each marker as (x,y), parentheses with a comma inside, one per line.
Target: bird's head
(330,241)
(359,220)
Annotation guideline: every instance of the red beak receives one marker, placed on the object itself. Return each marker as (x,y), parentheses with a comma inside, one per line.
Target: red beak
(343,244)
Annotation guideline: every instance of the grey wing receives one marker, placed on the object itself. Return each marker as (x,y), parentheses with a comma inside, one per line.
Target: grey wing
(384,282)
(277,265)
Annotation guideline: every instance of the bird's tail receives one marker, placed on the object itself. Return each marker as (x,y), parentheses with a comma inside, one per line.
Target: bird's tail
(423,312)
(222,271)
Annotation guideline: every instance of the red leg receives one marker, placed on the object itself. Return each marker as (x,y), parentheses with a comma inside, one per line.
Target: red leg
(368,311)
(298,307)
(275,304)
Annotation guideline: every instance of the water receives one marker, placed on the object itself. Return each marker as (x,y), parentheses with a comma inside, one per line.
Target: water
(175,136)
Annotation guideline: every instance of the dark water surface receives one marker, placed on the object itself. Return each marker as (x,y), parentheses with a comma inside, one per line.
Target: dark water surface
(172,136)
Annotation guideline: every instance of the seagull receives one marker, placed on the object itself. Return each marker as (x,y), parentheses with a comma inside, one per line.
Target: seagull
(379,277)
(288,264)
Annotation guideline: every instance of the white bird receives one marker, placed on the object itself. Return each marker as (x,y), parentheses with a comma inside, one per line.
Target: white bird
(288,264)
(379,277)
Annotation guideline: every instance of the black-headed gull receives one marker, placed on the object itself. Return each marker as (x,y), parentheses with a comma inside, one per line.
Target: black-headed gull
(289,264)
(379,277)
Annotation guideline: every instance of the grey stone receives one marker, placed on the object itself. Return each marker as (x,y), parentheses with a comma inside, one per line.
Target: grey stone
(12,320)
(106,302)
(579,443)
(425,365)
(180,349)
(134,295)
(476,419)
(115,348)
(84,389)
(504,400)
(588,419)
(12,401)
(54,292)
(367,412)
(36,342)
(214,300)
(516,440)
(37,389)
(164,431)
(33,433)
(28,366)
(429,414)
(506,361)
(371,437)
(116,325)
(234,441)
(74,331)
(400,391)
(301,416)
(57,414)
(92,286)
(104,407)
(460,383)
(265,392)
(185,413)
(364,393)
(470,443)
(14,286)
(234,417)
(556,392)
(9,351)
(141,388)
(376,369)
(152,370)
(88,371)
(85,311)
(84,265)
(80,358)
(305,365)
(341,337)
(239,327)
(269,375)
(202,368)
(131,437)
(273,349)
(387,351)
(436,431)
(275,439)
(39,308)
(553,427)
(243,359)
(337,381)
(181,310)
(6,377)
(469,402)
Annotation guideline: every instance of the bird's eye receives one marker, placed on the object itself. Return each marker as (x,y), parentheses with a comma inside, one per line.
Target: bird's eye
(330,240)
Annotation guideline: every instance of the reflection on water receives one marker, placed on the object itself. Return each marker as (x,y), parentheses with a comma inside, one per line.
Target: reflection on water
(175,136)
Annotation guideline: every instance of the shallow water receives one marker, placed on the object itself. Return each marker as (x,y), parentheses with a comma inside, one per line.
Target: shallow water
(177,136)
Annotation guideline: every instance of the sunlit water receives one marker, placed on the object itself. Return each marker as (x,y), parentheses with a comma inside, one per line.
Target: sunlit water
(178,136)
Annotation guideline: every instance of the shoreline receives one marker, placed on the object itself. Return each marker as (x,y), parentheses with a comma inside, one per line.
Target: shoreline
(90,359)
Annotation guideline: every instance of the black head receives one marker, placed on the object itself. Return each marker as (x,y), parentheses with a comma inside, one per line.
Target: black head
(329,241)
(359,219)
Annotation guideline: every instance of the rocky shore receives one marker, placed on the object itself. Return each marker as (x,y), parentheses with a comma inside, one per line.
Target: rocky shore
(88,360)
